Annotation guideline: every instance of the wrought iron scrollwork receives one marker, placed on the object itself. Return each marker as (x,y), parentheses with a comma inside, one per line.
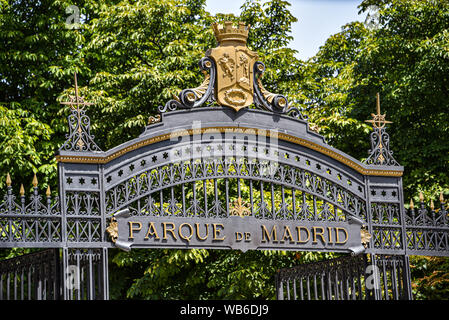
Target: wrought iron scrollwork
(37,220)
(79,137)
(427,228)
(195,97)
(380,153)
(265,100)
(304,195)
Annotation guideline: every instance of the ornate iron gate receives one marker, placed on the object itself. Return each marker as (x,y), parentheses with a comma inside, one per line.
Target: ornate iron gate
(34,276)
(336,279)
(227,164)
(347,278)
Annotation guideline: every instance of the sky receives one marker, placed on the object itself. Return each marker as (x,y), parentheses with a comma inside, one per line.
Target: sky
(317,20)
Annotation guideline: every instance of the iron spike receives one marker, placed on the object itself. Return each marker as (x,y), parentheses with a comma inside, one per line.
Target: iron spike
(35,181)
(421,196)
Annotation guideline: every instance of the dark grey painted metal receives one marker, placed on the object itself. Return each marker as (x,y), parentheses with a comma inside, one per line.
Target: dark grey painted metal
(34,276)
(380,153)
(342,279)
(235,232)
(85,274)
(79,138)
(338,279)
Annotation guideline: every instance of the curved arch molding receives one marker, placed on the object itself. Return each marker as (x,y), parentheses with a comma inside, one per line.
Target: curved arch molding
(222,120)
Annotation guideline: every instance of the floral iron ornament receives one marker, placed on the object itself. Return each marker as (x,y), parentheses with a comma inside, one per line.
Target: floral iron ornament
(380,153)
(365,236)
(79,137)
(232,77)
(112,229)
(239,208)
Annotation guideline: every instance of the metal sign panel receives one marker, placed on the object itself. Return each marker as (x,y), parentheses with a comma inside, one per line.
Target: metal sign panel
(241,233)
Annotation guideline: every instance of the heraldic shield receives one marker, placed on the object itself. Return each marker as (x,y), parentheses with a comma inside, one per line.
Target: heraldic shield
(235,62)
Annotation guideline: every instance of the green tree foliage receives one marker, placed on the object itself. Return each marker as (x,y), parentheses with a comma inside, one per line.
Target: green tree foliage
(406,59)
(38,57)
(24,141)
(327,90)
(144,52)
(430,277)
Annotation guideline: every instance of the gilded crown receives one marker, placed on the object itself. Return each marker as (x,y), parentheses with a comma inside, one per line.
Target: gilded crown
(230,34)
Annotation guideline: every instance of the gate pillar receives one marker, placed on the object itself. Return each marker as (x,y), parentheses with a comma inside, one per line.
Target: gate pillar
(85,254)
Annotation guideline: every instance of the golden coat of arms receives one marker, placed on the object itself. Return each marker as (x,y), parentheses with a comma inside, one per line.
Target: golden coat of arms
(232,77)
(234,61)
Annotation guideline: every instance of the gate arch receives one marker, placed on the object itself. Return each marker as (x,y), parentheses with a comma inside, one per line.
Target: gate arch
(167,163)
(151,174)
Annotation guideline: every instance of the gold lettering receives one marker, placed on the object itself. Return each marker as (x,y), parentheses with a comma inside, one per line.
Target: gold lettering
(337,240)
(198,231)
(247,236)
(182,236)
(217,232)
(299,234)
(171,230)
(152,232)
(315,234)
(132,229)
(272,234)
(289,236)
(329,230)
(238,236)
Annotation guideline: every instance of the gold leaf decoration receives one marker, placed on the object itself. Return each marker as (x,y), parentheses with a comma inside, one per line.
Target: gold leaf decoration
(199,91)
(365,235)
(265,93)
(154,119)
(239,208)
(112,229)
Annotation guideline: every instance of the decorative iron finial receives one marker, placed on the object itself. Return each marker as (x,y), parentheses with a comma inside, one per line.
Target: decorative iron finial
(8,180)
(48,192)
(421,196)
(380,153)
(432,205)
(35,181)
(412,205)
(79,137)
(22,190)
(378,120)
(232,77)
(441,197)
